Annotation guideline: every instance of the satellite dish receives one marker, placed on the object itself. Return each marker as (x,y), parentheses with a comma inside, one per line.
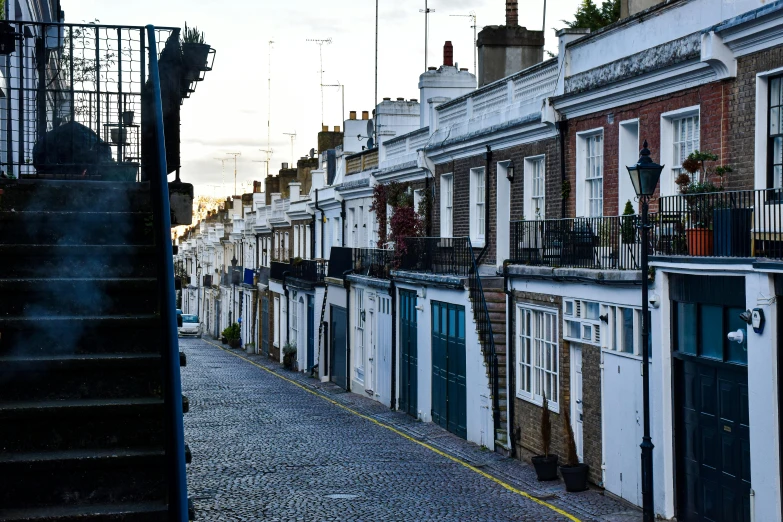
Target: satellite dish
(312,153)
(370,128)
(370,143)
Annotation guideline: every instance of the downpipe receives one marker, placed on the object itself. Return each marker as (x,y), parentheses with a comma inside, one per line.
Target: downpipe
(510,375)
(287,311)
(393,398)
(349,333)
(319,209)
(752,505)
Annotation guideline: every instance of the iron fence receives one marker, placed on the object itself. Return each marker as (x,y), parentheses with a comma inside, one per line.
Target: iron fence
(602,242)
(744,223)
(373,262)
(277,269)
(312,270)
(78,100)
(438,255)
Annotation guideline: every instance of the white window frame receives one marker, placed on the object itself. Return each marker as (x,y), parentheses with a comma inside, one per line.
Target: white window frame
(534,165)
(447,205)
(360,327)
(478,225)
(296,241)
(294,333)
(762,126)
(585,179)
(418,195)
(614,341)
(673,165)
(532,391)
(588,329)
(276,338)
(352,226)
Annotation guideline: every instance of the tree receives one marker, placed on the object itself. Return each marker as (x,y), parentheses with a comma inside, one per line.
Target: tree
(590,16)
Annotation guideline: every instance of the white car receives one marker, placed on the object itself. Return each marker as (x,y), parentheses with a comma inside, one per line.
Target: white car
(190,326)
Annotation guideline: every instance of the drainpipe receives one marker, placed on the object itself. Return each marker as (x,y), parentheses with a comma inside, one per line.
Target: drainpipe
(287,311)
(347,286)
(319,209)
(487,164)
(510,375)
(393,398)
(562,129)
(752,506)
(342,218)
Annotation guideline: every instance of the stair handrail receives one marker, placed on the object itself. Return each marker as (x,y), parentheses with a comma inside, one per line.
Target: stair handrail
(159,190)
(484,327)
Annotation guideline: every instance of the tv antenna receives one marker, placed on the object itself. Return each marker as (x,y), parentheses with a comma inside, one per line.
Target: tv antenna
(472,16)
(223,166)
(426,12)
(321,43)
(342,88)
(269,112)
(235,154)
(293,137)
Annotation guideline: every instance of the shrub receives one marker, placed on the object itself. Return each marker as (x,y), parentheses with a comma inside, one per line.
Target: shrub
(232,332)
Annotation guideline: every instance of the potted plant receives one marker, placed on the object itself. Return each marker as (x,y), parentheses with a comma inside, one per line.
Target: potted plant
(231,334)
(289,355)
(546,464)
(700,207)
(127,118)
(195,52)
(574,472)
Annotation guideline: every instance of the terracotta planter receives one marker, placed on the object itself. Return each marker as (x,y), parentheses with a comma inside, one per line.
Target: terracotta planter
(575,477)
(546,467)
(699,241)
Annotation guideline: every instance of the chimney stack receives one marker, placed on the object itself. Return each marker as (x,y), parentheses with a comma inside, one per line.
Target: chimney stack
(512,14)
(352,115)
(365,115)
(448,54)
(324,128)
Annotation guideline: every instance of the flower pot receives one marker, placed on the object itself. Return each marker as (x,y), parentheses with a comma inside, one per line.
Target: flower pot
(224,340)
(195,56)
(546,467)
(233,343)
(127,118)
(699,241)
(575,477)
(119,136)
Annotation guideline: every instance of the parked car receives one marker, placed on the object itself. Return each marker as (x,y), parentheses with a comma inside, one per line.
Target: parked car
(190,326)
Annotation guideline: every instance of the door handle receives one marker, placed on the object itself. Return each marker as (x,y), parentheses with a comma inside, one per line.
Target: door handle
(579,402)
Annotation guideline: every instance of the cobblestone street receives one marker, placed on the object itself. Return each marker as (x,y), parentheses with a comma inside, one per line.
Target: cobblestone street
(267,448)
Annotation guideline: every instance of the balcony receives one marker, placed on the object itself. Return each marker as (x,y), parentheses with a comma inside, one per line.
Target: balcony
(436,255)
(371,262)
(740,224)
(310,270)
(611,243)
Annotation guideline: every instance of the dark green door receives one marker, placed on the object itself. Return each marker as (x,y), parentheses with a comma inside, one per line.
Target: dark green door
(449,406)
(408,353)
(339,363)
(712,432)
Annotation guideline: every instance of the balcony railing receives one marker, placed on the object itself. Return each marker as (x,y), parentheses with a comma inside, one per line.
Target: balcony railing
(437,255)
(600,243)
(313,270)
(372,262)
(277,269)
(746,223)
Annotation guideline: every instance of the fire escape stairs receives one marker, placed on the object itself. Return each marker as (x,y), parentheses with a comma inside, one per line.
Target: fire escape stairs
(82,414)
(495,300)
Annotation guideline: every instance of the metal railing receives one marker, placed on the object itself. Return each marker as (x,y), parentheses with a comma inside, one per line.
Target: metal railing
(277,269)
(438,255)
(312,270)
(159,189)
(79,101)
(601,243)
(373,262)
(744,223)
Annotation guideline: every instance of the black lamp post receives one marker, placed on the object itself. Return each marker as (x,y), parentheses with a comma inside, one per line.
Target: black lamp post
(644,176)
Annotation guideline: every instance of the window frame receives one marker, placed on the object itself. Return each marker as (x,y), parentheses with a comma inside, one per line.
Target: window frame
(673,166)
(360,347)
(478,222)
(534,387)
(770,138)
(447,205)
(532,165)
(584,196)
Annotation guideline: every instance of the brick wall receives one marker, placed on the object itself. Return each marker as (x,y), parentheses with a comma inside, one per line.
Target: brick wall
(742,115)
(591,410)
(460,169)
(713,100)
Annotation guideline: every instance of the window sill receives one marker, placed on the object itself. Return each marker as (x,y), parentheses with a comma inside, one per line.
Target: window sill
(538,401)
(477,243)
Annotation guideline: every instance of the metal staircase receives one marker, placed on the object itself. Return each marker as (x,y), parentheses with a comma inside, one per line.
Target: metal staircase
(90,396)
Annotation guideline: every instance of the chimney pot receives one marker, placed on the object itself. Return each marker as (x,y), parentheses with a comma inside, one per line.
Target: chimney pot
(414,100)
(463,69)
(387,99)
(336,128)
(352,115)
(432,68)
(285,164)
(400,99)
(512,14)
(324,128)
(365,115)
(448,54)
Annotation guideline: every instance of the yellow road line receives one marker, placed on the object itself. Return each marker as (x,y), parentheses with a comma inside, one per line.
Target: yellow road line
(461,462)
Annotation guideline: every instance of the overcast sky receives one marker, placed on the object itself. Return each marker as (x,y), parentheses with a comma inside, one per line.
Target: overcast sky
(228,112)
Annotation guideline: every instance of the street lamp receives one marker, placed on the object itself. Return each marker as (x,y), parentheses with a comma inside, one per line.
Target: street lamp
(644,176)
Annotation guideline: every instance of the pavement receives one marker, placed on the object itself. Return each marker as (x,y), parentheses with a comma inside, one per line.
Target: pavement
(274,445)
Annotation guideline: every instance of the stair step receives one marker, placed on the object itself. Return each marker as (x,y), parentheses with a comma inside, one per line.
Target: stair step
(80,335)
(501,436)
(38,195)
(496,307)
(80,377)
(114,512)
(498,317)
(495,297)
(500,338)
(62,478)
(49,297)
(30,426)
(75,228)
(492,282)
(109,261)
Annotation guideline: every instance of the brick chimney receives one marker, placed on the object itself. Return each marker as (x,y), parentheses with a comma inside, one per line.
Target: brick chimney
(448,54)
(512,14)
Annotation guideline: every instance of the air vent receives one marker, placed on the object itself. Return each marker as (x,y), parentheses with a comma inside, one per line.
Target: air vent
(578,309)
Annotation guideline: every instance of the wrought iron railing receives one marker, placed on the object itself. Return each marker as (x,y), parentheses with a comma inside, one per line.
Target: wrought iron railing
(601,242)
(744,223)
(373,262)
(79,101)
(312,270)
(277,269)
(438,255)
